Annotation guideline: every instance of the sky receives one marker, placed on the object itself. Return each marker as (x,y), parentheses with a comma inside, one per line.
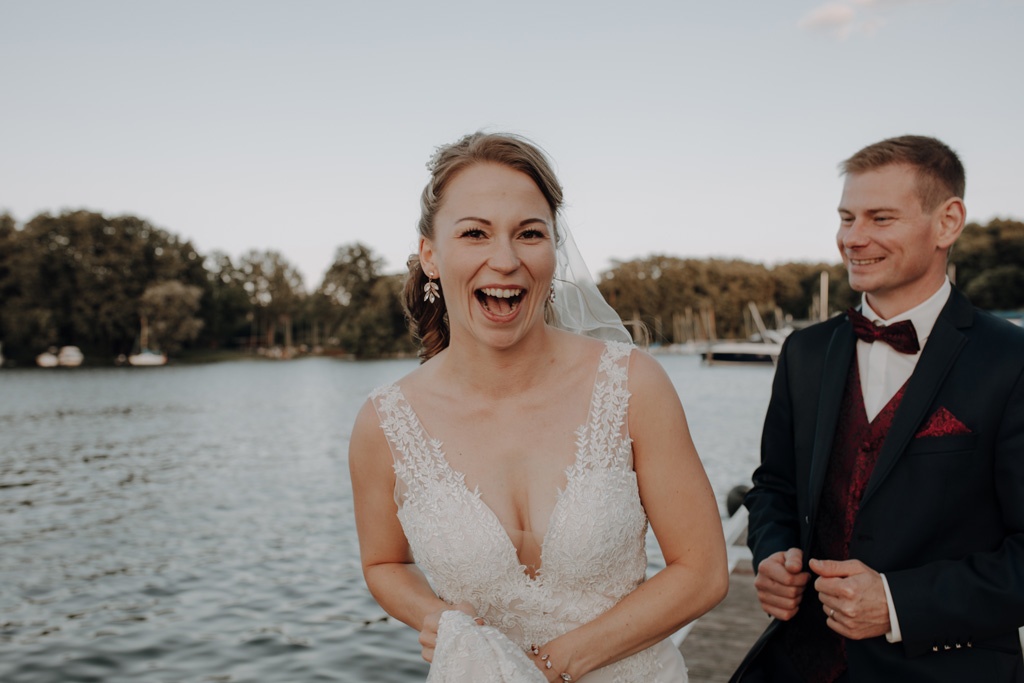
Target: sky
(677,127)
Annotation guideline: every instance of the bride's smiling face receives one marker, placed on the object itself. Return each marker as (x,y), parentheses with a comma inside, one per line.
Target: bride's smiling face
(493,250)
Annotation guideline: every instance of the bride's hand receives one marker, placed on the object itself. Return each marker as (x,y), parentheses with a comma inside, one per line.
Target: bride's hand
(428,634)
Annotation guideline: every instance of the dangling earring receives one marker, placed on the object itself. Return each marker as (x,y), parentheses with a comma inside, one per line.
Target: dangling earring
(551,293)
(431,292)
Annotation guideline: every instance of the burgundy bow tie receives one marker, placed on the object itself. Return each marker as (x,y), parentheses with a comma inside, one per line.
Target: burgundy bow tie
(900,336)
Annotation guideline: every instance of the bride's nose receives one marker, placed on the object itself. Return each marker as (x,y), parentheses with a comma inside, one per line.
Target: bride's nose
(503,257)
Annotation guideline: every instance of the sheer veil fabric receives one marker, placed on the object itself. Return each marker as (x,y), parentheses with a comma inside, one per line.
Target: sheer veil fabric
(578,305)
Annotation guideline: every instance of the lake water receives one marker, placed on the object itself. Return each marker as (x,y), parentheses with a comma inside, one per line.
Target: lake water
(195,524)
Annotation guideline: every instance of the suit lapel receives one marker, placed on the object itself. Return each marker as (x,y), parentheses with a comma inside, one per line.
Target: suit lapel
(833,385)
(943,346)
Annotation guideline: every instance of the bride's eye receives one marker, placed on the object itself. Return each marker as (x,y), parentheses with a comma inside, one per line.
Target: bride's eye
(473,233)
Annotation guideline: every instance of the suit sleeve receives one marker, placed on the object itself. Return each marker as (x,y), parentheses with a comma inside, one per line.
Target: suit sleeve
(772,501)
(980,595)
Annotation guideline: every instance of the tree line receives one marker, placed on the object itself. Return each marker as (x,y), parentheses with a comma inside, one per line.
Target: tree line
(93,281)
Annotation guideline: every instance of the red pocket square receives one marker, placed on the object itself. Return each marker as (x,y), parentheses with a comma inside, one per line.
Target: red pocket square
(942,423)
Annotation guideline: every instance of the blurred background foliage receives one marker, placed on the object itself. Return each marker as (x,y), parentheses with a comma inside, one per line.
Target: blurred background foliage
(90,280)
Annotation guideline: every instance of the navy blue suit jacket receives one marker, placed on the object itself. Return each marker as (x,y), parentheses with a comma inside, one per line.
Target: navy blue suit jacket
(942,516)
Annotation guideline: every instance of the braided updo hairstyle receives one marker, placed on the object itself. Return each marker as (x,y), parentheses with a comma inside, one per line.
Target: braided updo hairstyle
(428,322)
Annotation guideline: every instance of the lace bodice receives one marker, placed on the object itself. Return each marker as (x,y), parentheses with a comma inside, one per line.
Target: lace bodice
(593,552)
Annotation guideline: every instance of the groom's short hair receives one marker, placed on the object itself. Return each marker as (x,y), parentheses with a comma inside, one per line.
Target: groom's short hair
(940,175)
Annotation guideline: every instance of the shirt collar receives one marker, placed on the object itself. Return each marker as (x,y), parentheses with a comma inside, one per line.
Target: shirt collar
(923,315)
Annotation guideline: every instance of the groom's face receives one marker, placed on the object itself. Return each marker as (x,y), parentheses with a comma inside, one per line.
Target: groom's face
(892,247)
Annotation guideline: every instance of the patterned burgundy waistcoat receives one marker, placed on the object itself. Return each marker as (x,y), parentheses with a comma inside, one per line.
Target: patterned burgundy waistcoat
(817,651)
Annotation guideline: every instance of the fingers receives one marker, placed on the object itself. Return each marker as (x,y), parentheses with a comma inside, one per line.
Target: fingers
(853,601)
(468,608)
(793,559)
(784,568)
(428,641)
(465,607)
(837,568)
(431,623)
(428,635)
(780,583)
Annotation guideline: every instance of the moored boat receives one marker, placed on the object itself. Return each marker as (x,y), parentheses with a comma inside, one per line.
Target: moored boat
(70,357)
(48,358)
(742,352)
(147,357)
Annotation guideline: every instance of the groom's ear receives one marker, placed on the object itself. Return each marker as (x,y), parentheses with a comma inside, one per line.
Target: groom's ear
(951,216)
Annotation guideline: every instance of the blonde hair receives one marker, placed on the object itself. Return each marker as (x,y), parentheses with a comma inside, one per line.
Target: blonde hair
(940,175)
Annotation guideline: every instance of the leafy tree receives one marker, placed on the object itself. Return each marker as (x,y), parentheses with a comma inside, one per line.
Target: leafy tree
(169,310)
(379,328)
(76,278)
(275,292)
(1000,288)
(347,290)
(660,288)
(225,308)
(798,285)
(989,253)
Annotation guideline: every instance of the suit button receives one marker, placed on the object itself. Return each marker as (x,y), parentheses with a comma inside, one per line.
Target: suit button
(935,648)
(958,646)
(946,647)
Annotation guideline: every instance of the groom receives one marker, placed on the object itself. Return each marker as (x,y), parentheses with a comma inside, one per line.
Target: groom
(887,515)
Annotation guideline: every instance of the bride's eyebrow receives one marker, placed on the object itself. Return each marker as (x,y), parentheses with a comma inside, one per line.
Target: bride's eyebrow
(528,221)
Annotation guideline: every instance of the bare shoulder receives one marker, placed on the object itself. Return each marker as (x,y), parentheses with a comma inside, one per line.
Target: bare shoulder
(647,375)
(368,449)
(367,420)
(579,345)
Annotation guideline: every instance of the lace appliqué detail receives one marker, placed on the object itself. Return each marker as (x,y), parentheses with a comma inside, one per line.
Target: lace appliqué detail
(593,553)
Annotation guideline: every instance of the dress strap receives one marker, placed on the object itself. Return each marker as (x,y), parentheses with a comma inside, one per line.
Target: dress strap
(604,440)
(418,458)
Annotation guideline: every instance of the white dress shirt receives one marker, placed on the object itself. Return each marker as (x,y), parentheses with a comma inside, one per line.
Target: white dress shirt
(883,370)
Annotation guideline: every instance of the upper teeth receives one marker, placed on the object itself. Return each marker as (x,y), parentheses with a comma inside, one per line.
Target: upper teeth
(501,293)
(864,261)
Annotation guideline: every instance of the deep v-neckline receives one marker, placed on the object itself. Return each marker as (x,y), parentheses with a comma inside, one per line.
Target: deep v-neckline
(488,512)
(437,447)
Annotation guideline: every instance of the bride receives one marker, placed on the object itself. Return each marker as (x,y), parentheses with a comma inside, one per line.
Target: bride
(503,489)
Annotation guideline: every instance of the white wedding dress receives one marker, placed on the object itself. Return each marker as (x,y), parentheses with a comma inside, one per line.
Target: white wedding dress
(593,552)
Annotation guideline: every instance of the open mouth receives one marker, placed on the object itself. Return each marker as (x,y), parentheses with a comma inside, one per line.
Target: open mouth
(500,302)
(864,261)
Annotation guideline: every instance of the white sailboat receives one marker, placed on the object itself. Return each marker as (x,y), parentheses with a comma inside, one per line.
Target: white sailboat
(146,357)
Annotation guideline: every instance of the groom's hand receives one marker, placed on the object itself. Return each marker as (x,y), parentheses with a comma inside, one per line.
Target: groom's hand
(780,583)
(853,598)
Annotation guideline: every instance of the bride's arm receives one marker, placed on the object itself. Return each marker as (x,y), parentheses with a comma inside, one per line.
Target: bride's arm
(684,516)
(394,581)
